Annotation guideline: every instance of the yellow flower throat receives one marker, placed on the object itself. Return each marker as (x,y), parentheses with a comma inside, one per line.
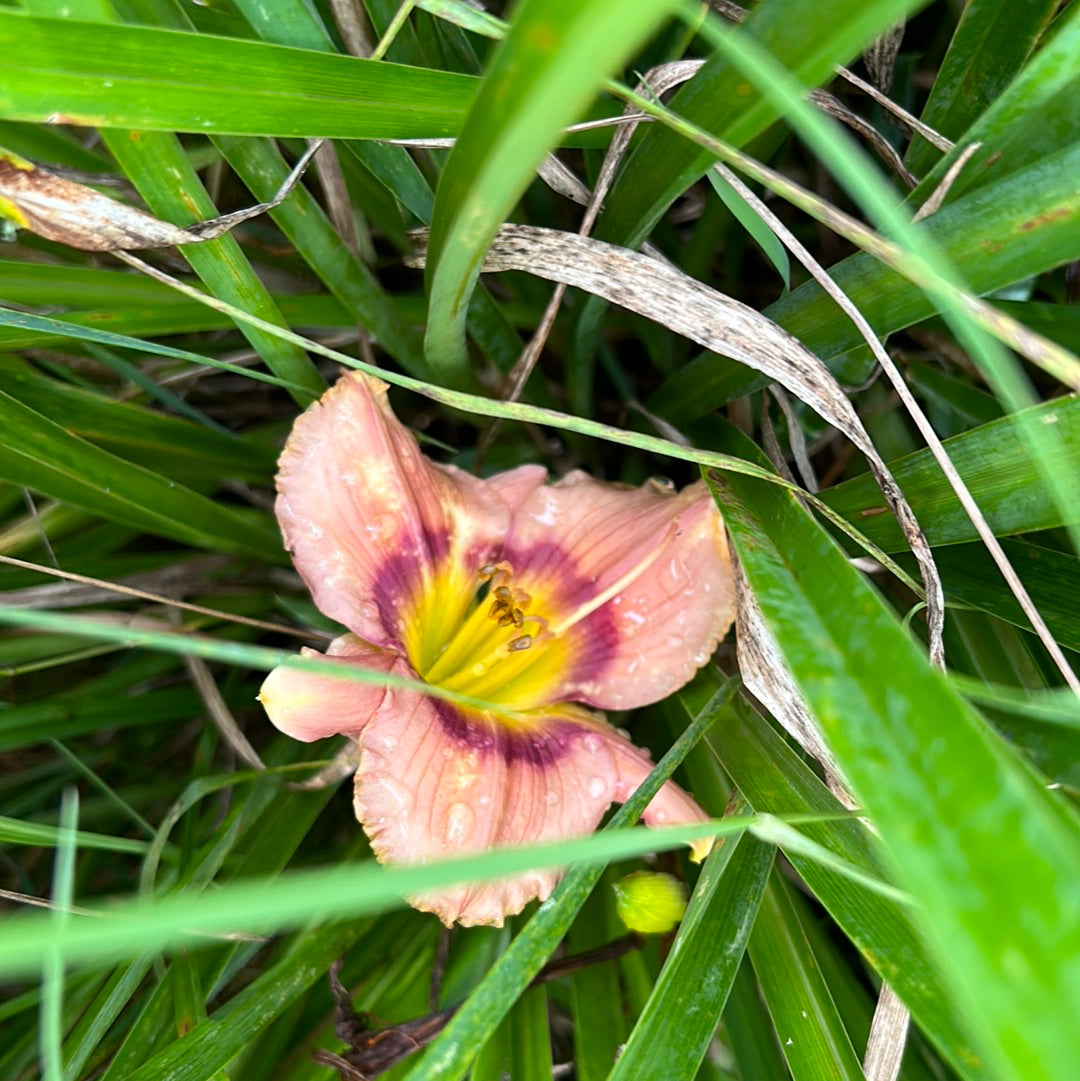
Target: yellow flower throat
(486,639)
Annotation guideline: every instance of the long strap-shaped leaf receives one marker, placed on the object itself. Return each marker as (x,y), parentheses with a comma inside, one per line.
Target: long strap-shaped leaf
(543,74)
(990,857)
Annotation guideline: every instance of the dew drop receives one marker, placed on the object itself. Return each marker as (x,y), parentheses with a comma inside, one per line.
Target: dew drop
(596,787)
(591,742)
(551,797)
(460,823)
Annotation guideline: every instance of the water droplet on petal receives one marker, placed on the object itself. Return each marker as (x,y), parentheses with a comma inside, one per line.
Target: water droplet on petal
(551,797)
(591,742)
(460,823)
(597,787)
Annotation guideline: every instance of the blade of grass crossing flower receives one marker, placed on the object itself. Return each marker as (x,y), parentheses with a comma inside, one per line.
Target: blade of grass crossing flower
(543,74)
(363,887)
(808,1027)
(671,1037)
(450,1054)
(957,812)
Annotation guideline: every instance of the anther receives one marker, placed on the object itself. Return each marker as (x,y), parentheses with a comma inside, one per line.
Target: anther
(516,645)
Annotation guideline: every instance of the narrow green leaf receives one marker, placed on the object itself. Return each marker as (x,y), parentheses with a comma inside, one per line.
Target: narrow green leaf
(100,75)
(673,1033)
(157,165)
(155,440)
(1007,231)
(40,454)
(808,1027)
(774,778)
(991,44)
(214,1042)
(15,832)
(995,464)
(991,859)
(1035,116)
(541,78)
(808,37)
(530,1044)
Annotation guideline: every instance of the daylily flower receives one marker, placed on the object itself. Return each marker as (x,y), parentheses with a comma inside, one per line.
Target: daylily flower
(541,600)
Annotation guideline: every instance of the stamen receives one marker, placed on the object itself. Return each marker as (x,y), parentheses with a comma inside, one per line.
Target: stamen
(516,645)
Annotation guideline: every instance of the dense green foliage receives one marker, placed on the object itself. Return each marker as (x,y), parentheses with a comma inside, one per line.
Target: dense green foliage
(139,428)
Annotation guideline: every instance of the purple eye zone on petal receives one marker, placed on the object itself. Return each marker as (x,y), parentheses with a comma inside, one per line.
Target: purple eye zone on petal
(540,749)
(395,583)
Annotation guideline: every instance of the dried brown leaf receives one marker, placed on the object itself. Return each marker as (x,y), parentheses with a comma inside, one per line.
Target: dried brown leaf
(75,214)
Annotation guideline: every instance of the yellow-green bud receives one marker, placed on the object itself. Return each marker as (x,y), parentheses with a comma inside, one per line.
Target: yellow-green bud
(650,902)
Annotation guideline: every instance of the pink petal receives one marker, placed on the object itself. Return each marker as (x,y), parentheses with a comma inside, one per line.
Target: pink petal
(368,517)
(309,706)
(579,539)
(434,783)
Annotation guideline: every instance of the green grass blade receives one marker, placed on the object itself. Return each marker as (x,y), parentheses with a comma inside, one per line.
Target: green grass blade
(1007,231)
(150,79)
(542,76)
(673,1033)
(809,38)
(988,856)
(40,454)
(1036,115)
(991,44)
(774,779)
(997,467)
(808,1027)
